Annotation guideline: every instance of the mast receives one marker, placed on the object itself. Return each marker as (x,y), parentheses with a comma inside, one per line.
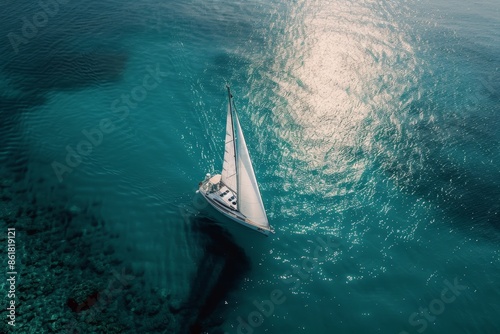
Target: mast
(229,168)
(230,101)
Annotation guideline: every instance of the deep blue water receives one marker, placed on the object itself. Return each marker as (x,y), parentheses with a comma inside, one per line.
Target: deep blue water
(373,126)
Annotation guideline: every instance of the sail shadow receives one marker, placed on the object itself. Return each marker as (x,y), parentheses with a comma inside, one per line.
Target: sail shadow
(220,270)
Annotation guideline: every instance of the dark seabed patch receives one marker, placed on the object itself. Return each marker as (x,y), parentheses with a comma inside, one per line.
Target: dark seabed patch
(219,271)
(444,147)
(71,279)
(63,69)
(452,164)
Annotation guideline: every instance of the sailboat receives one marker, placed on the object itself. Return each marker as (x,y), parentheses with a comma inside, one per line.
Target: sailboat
(235,192)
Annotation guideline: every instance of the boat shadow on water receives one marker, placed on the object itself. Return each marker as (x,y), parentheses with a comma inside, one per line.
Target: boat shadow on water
(221,268)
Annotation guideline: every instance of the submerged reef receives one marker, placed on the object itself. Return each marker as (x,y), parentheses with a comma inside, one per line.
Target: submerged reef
(69,279)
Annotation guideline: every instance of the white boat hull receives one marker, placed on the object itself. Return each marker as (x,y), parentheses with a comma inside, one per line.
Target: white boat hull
(227,211)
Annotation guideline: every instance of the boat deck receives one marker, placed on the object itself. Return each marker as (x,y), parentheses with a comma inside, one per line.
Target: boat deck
(228,197)
(219,192)
(225,201)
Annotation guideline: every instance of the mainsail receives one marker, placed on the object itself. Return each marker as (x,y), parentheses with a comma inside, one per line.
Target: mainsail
(249,199)
(229,165)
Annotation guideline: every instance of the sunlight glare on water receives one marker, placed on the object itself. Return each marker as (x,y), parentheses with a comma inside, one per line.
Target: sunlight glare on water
(337,67)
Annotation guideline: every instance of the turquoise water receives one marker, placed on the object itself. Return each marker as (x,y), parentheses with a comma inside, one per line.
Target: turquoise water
(373,128)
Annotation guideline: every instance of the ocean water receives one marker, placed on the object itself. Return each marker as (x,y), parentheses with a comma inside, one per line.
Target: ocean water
(373,127)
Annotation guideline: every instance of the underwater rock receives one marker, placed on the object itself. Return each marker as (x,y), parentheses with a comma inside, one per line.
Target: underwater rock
(7,211)
(74,210)
(67,265)
(83,296)
(23,223)
(153,307)
(97,264)
(109,250)
(175,305)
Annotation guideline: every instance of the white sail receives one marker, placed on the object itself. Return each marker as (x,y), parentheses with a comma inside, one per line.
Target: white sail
(249,199)
(229,164)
